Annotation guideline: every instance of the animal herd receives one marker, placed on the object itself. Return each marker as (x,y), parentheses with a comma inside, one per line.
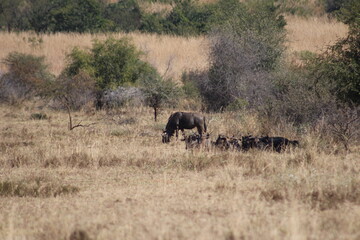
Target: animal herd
(185,120)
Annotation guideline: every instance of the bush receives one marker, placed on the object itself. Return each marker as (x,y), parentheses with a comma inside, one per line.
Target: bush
(300,98)
(245,50)
(339,66)
(112,63)
(159,92)
(27,77)
(74,92)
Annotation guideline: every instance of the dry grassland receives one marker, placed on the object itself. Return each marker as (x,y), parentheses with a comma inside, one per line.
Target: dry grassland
(169,54)
(116,180)
(313,34)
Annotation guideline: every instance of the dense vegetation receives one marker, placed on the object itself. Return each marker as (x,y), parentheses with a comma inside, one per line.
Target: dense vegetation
(186,17)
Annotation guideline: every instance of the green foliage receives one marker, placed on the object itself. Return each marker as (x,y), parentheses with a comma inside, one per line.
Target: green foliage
(79,60)
(349,13)
(186,18)
(152,23)
(125,15)
(67,16)
(14,14)
(111,62)
(339,68)
(333,5)
(189,87)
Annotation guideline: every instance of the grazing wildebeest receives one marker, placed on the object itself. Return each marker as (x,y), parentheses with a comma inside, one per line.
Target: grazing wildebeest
(275,143)
(195,140)
(183,120)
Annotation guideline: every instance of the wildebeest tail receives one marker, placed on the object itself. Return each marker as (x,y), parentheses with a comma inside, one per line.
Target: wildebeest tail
(205,128)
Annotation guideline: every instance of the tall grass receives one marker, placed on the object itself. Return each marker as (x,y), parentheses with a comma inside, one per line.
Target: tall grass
(313,33)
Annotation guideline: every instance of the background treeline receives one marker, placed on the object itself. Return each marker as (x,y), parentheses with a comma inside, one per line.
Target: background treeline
(185,17)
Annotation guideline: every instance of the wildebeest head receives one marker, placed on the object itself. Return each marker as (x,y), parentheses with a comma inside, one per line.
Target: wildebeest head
(249,142)
(165,137)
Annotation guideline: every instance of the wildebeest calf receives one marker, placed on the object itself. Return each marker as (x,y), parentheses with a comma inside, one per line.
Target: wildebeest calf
(225,143)
(196,141)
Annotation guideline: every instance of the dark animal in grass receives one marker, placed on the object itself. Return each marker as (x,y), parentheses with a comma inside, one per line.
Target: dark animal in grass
(183,120)
(249,142)
(195,140)
(277,144)
(222,142)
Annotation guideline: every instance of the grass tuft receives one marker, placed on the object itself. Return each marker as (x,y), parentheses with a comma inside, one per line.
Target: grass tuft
(36,187)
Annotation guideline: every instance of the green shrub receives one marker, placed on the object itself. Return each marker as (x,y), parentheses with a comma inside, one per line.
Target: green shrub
(339,66)
(111,63)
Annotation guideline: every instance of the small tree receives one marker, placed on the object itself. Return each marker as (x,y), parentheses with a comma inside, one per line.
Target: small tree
(159,92)
(73,93)
(27,77)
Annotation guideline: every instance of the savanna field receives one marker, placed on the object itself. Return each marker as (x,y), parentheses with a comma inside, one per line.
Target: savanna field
(115,179)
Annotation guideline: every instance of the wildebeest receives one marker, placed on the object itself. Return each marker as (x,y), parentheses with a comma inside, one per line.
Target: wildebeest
(195,140)
(224,143)
(248,142)
(183,120)
(275,143)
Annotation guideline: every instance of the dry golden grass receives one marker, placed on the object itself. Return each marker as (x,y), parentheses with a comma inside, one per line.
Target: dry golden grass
(131,186)
(170,55)
(314,33)
(156,7)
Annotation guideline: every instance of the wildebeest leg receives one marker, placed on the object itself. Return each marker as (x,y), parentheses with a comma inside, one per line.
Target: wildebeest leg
(183,132)
(200,130)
